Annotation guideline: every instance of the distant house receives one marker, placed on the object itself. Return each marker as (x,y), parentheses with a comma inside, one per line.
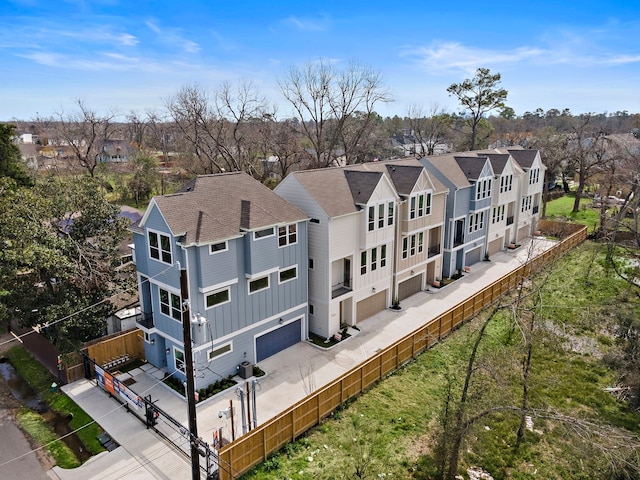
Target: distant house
(244,250)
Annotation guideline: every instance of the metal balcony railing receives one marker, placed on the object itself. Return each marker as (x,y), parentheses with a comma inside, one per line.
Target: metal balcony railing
(510,220)
(434,250)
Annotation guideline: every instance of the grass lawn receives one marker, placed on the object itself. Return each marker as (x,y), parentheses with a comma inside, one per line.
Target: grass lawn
(40,380)
(562,207)
(385,433)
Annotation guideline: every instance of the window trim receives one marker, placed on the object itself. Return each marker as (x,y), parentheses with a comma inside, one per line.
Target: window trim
(383,255)
(280,272)
(159,247)
(214,292)
(219,347)
(363,262)
(225,249)
(252,280)
(170,304)
(291,231)
(175,360)
(258,234)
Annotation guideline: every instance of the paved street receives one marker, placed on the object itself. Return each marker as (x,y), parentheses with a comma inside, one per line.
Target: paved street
(291,375)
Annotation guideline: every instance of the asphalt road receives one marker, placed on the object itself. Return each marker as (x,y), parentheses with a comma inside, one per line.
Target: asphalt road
(17,461)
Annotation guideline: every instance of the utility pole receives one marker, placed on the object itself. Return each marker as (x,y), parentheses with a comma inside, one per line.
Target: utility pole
(191,389)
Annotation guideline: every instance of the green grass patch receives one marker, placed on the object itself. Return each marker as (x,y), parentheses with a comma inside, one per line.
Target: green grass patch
(39,430)
(385,432)
(40,380)
(562,208)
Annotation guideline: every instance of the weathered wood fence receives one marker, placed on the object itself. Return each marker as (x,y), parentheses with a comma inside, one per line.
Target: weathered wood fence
(254,447)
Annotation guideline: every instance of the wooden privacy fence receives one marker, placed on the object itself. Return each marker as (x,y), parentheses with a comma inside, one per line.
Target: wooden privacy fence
(254,447)
(128,344)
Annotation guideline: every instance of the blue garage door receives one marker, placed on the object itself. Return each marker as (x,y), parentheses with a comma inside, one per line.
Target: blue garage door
(277,340)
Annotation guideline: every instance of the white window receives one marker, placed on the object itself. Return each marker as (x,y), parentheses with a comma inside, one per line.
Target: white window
(498,214)
(264,233)
(506,183)
(287,235)
(390,213)
(383,256)
(170,304)
(526,203)
(363,263)
(219,350)
(372,218)
(476,222)
(420,242)
(405,247)
(420,205)
(412,208)
(160,247)
(259,284)
(218,297)
(288,274)
(218,247)
(483,189)
(374,259)
(534,176)
(178,360)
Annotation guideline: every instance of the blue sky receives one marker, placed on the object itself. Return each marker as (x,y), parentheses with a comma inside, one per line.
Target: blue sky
(131,55)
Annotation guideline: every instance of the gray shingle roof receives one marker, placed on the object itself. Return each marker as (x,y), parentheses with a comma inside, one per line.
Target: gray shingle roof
(217,207)
(449,168)
(362,184)
(498,161)
(471,166)
(524,158)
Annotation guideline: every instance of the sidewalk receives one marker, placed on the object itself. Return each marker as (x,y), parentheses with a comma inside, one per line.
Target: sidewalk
(291,376)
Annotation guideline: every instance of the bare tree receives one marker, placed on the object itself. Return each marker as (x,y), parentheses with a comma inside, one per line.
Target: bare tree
(279,146)
(553,149)
(85,133)
(429,129)
(587,154)
(217,129)
(335,108)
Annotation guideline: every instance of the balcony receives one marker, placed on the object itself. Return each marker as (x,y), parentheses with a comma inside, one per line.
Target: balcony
(510,220)
(339,290)
(434,250)
(457,241)
(145,320)
(536,209)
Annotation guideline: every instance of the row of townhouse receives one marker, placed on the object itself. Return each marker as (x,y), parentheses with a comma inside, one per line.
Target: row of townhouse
(326,249)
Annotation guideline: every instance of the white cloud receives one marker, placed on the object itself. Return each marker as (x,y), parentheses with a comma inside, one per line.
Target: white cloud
(306,24)
(173,37)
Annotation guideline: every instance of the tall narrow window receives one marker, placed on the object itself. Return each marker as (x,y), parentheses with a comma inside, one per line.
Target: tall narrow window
(381,215)
(372,218)
(405,247)
(420,242)
(390,214)
(374,259)
(412,208)
(363,263)
(178,356)
(170,304)
(383,256)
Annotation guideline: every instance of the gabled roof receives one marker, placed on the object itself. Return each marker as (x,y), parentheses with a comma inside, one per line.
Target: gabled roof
(471,166)
(404,174)
(449,168)
(362,184)
(329,188)
(524,158)
(498,161)
(212,208)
